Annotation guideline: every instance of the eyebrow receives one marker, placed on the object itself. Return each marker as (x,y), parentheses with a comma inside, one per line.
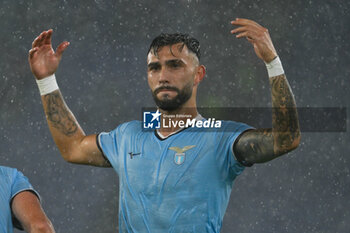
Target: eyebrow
(168,62)
(153,64)
(175,61)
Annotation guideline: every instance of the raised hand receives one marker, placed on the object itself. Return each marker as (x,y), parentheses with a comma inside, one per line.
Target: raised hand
(43,60)
(258,36)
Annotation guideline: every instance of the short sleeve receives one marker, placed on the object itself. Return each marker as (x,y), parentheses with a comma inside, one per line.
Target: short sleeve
(114,143)
(20,184)
(108,145)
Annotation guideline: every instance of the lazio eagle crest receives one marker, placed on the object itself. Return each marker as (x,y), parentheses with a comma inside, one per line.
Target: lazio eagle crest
(179,157)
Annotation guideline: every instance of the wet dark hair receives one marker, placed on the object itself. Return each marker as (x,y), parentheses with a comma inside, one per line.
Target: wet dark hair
(165,39)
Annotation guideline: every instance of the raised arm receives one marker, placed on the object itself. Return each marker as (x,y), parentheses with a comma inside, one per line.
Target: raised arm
(27,210)
(262,145)
(74,145)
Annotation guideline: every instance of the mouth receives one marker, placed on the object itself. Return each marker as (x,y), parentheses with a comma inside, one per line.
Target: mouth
(165,90)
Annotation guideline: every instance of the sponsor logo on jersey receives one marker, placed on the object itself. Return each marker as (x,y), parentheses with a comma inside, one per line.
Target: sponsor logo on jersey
(133,154)
(180,156)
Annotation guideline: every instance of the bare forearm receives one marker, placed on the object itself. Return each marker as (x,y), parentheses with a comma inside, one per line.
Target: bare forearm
(74,145)
(285,123)
(64,128)
(41,227)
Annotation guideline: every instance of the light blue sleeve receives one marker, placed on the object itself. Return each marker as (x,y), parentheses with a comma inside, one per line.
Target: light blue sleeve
(108,143)
(20,184)
(113,144)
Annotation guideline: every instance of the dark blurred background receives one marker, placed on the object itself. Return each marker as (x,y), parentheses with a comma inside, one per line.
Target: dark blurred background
(103,78)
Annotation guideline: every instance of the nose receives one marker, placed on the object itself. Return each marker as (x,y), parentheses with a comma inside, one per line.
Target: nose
(163,76)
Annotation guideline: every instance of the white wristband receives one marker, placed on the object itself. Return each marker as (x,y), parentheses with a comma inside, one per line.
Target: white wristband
(47,85)
(274,68)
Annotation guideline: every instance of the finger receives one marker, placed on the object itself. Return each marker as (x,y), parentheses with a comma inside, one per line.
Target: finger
(243,22)
(60,49)
(32,52)
(47,39)
(247,34)
(251,40)
(41,38)
(239,29)
(37,40)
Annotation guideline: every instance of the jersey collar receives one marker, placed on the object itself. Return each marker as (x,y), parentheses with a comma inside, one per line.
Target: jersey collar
(162,137)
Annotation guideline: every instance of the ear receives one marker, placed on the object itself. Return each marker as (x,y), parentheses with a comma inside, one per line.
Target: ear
(199,75)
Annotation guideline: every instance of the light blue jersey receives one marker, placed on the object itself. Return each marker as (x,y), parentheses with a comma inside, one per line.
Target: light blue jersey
(178,184)
(12,182)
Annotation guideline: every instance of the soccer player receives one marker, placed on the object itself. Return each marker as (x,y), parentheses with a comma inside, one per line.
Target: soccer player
(174,179)
(19,204)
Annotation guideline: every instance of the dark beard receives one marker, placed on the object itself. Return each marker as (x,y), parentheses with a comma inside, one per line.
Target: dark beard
(167,104)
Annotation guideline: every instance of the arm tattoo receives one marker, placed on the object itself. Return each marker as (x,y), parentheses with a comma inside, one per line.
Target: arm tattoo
(261,145)
(255,146)
(58,114)
(285,123)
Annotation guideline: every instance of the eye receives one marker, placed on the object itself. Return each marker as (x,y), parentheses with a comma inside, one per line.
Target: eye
(154,67)
(175,64)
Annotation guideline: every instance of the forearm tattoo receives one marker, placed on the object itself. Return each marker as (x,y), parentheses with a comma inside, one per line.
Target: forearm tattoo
(285,123)
(261,145)
(58,114)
